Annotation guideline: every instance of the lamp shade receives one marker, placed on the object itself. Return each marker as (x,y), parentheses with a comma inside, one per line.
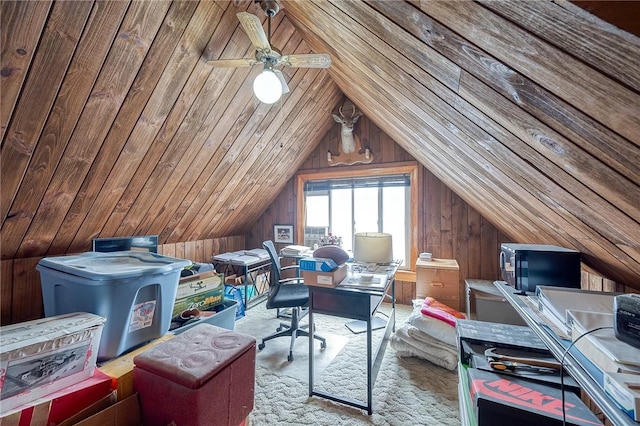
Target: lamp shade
(372,247)
(267,87)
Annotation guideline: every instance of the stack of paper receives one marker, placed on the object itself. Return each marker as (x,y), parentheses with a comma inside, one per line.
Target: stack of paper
(258,252)
(294,250)
(365,281)
(224,257)
(245,259)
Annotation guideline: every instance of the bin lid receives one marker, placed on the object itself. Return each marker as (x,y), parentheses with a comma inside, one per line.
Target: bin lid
(117,264)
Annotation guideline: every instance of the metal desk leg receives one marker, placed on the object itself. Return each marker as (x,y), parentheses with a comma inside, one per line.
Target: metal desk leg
(245,270)
(311,333)
(370,378)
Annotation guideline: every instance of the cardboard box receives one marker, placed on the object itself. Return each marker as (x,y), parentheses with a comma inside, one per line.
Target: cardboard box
(120,369)
(500,399)
(485,303)
(496,335)
(122,413)
(624,390)
(42,356)
(202,291)
(94,408)
(475,337)
(325,279)
(55,408)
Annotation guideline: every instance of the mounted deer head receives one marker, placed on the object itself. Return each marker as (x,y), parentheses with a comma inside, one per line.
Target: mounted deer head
(350,150)
(347,122)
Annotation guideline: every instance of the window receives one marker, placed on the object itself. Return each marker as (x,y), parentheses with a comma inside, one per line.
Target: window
(345,203)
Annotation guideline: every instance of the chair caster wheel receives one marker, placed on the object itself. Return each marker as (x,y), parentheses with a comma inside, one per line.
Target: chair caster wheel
(261,346)
(323,345)
(279,329)
(289,357)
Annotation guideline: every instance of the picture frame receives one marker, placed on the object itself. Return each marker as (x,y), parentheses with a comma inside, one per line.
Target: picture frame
(283,234)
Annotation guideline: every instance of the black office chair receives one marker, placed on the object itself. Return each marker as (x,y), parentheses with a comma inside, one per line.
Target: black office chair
(287,293)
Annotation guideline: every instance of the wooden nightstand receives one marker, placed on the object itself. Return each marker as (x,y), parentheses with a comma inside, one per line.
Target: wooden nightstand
(440,279)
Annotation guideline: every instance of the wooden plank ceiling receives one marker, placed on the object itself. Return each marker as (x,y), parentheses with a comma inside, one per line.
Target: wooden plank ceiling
(114,124)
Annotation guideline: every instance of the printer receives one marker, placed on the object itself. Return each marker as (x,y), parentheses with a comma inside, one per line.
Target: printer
(626,318)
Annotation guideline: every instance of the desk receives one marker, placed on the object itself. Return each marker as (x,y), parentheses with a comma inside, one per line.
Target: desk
(355,304)
(249,268)
(572,363)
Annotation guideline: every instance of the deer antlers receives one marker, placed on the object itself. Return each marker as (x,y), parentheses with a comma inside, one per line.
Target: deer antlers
(350,149)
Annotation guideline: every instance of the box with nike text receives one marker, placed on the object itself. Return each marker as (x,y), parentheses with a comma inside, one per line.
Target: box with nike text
(499,399)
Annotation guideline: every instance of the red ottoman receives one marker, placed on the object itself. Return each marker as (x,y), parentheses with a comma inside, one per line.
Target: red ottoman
(204,376)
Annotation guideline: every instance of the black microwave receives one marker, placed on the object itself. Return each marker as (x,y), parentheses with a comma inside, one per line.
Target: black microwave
(526,266)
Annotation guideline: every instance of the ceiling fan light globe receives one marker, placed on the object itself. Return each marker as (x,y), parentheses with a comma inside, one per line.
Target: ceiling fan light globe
(267,87)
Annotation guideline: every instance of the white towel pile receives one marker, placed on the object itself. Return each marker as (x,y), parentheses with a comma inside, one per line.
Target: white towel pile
(428,338)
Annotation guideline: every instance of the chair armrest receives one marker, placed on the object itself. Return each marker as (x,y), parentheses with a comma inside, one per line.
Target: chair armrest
(284,268)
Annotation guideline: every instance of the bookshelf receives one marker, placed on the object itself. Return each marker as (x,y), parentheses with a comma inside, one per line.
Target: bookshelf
(577,366)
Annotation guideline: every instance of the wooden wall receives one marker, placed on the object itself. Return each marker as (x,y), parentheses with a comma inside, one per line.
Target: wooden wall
(21,295)
(509,104)
(448,227)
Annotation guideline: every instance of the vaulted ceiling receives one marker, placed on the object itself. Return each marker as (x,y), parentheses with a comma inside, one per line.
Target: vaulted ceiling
(113,122)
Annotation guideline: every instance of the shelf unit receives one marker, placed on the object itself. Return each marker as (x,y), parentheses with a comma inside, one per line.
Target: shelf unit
(592,387)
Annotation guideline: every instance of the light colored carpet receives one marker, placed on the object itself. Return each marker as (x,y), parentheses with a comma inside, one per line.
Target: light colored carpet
(408,391)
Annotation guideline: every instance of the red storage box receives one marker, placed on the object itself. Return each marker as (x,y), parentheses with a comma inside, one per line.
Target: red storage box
(56,407)
(205,375)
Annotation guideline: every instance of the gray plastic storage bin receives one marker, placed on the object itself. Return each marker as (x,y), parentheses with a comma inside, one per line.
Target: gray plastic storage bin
(134,291)
(225,317)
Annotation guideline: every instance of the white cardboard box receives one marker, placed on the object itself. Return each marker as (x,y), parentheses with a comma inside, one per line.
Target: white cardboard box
(42,356)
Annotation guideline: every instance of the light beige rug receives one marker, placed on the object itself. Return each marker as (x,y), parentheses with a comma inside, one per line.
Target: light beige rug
(408,391)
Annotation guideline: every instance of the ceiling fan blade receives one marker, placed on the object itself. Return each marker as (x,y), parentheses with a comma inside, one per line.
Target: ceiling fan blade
(285,86)
(309,60)
(230,63)
(253,27)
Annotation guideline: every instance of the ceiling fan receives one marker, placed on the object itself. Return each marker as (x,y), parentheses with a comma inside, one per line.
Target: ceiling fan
(268,56)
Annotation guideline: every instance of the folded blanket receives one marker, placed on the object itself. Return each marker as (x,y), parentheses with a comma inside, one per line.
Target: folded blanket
(431,307)
(434,351)
(404,349)
(415,334)
(433,327)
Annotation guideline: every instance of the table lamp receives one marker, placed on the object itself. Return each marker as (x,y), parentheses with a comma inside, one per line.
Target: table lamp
(372,247)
